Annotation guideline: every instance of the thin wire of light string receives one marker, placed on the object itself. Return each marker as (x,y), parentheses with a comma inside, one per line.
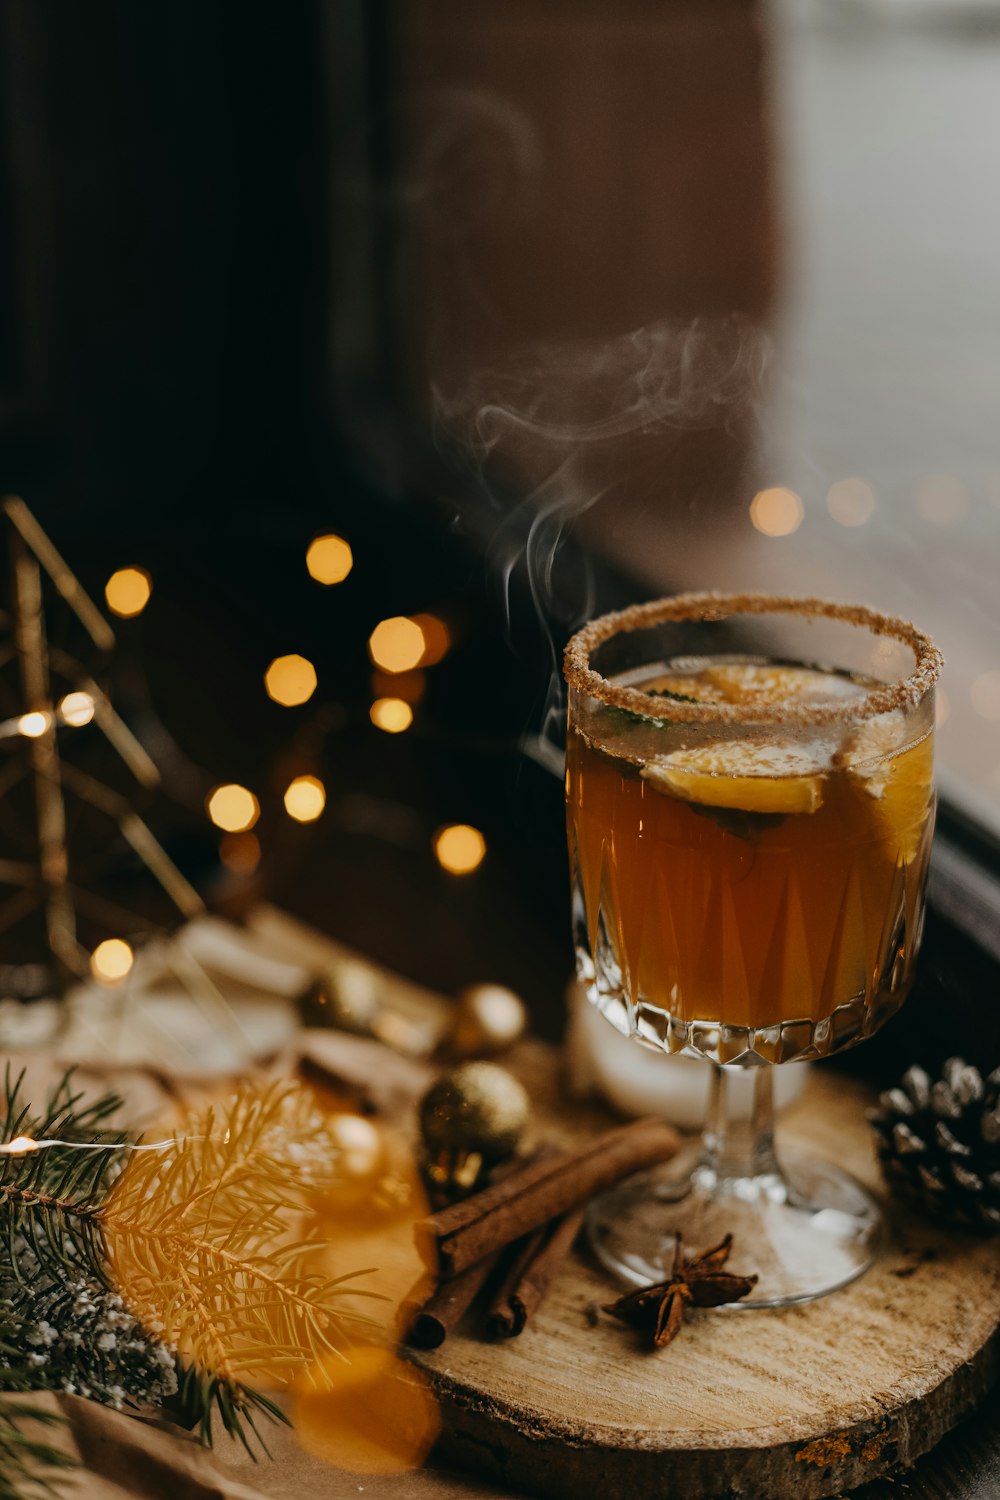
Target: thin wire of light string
(23,1145)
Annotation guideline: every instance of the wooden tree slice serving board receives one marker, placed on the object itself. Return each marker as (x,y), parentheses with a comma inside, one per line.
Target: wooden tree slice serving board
(804,1402)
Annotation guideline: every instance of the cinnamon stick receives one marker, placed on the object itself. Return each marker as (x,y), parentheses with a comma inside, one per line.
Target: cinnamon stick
(430,1325)
(426,1325)
(466,1232)
(524,1287)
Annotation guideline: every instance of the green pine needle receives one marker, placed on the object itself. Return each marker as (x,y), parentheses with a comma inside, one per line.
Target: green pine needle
(52,1245)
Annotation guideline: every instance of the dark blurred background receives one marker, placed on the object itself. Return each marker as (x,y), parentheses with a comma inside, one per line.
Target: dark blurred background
(494,294)
(236,255)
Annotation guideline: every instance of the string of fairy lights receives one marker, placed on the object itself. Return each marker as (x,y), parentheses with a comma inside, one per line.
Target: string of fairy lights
(22,1145)
(400,649)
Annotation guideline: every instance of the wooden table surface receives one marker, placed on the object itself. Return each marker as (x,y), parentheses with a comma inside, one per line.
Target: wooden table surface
(965,1465)
(795,1401)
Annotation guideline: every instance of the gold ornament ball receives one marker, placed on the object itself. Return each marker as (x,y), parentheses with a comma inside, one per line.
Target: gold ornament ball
(489,1019)
(476,1107)
(358,1146)
(345,999)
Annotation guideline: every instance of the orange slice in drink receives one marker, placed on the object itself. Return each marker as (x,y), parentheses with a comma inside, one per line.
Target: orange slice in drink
(675,685)
(741,774)
(897,780)
(868,752)
(756,682)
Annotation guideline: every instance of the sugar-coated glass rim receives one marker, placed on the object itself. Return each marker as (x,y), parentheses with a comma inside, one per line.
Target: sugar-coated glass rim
(902,694)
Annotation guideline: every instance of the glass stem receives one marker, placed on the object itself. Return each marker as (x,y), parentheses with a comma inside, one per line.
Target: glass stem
(739,1147)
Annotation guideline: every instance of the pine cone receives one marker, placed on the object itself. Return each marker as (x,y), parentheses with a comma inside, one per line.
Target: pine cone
(939,1143)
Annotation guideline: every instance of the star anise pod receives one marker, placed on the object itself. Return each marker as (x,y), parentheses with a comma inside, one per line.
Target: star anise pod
(698,1282)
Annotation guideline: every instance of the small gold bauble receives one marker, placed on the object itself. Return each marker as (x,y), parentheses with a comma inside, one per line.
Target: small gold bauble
(344,999)
(489,1018)
(358,1146)
(476,1107)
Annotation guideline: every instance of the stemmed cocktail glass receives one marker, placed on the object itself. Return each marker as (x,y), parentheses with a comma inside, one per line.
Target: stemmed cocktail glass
(750,809)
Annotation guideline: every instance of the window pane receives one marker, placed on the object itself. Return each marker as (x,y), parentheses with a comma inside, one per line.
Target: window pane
(884,413)
(713,288)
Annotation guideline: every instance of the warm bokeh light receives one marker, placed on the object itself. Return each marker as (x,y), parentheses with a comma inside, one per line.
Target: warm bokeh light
(373,1413)
(941,499)
(233,808)
(77,709)
(437,638)
(359,1150)
(459,848)
(776,512)
(985,695)
(111,960)
(305,799)
(240,852)
(20,1145)
(397,644)
(127,592)
(290,680)
(410,686)
(329,559)
(942,708)
(391,714)
(33,725)
(851,502)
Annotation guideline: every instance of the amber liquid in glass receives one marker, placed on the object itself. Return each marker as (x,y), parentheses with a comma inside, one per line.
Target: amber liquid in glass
(748,877)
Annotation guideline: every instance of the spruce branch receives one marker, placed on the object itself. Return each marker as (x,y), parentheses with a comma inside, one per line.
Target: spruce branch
(188,1261)
(49,1198)
(202,1236)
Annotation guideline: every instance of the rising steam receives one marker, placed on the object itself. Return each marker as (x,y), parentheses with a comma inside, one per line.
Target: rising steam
(545,437)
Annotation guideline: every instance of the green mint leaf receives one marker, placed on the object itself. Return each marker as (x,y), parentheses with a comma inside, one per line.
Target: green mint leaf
(629,716)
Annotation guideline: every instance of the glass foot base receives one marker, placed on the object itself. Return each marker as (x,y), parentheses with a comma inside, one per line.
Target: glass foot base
(806,1229)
